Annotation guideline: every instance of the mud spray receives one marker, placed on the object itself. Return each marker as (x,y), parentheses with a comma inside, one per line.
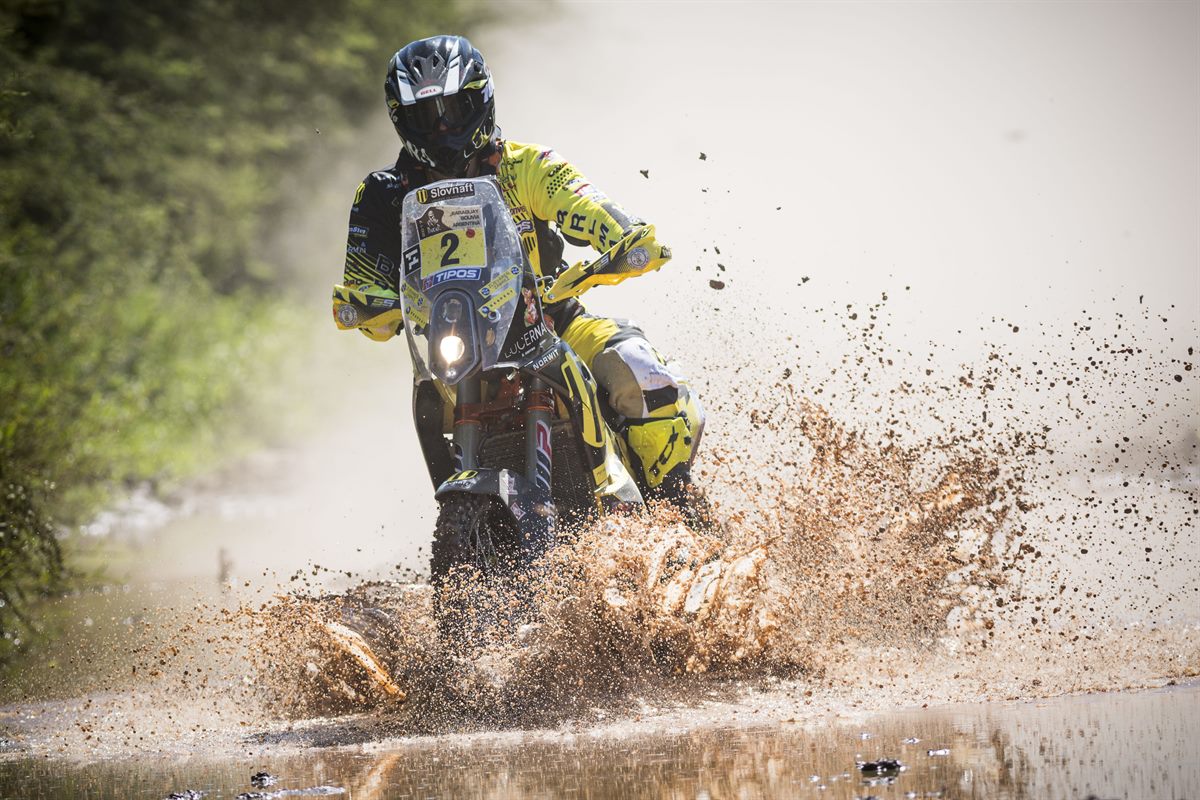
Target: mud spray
(977,537)
(971,533)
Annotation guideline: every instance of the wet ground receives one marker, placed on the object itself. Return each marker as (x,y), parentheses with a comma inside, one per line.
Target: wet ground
(1119,745)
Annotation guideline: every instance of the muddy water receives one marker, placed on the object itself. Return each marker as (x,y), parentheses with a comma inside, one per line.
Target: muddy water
(1130,745)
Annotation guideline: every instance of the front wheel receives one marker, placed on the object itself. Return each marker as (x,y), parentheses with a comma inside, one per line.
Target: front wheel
(475,553)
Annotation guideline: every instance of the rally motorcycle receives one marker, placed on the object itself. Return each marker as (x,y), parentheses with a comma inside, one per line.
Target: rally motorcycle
(514,429)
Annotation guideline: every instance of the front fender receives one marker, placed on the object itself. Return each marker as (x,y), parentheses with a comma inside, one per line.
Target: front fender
(532,509)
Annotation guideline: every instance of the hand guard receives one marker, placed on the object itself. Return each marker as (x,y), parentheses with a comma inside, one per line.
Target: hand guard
(373,310)
(636,254)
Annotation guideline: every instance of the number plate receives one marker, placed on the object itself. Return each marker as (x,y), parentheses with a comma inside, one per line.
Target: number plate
(451,236)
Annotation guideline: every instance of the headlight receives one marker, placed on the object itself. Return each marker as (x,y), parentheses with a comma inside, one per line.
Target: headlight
(452,348)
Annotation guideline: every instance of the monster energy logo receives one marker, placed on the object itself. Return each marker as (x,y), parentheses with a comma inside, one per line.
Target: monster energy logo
(435,193)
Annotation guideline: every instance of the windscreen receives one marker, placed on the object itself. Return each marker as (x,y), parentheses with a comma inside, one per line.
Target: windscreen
(464,271)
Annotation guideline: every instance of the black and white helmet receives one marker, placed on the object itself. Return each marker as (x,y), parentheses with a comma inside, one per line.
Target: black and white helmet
(439,96)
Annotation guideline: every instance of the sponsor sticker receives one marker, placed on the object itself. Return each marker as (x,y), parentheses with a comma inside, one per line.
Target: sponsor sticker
(346,314)
(451,274)
(500,281)
(359,231)
(432,194)
(544,455)
(638,257)
(531,306)
(459,483)
(498,300)
(412,259)
(415,307)
(526,340)
(542,360)
(428,91)
(385,265)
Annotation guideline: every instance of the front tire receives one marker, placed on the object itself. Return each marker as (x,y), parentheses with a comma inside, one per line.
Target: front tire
(475,549)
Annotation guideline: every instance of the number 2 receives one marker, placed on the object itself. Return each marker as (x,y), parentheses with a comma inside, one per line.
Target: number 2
(450,242)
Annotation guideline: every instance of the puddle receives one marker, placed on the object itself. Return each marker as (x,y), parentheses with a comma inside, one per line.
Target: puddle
(1066,747)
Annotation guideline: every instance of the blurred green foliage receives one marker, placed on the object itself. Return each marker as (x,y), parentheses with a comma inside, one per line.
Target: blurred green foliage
(145,150)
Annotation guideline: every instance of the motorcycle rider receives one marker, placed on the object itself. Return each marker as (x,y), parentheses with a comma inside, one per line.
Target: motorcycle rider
(440,97)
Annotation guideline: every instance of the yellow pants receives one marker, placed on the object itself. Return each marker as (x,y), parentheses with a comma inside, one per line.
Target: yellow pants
(663,421)
(624,363)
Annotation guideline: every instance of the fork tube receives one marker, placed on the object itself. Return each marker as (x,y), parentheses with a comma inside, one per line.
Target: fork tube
(539,457)
(466,424)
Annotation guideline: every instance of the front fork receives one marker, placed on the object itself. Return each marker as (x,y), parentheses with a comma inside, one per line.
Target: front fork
(468,429)
(526,496)
(539,411)
(539,453)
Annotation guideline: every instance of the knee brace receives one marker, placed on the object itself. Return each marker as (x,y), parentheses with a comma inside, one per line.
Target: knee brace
(663,421)
(666,445)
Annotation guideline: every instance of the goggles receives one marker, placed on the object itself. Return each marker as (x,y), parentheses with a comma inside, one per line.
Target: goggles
(453,111)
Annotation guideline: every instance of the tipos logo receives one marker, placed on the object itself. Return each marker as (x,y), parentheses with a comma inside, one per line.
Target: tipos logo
(435,193)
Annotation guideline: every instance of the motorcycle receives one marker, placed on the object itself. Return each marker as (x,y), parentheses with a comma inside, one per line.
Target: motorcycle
(513,426)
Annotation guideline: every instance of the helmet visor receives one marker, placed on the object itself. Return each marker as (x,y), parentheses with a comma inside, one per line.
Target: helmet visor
(453,111)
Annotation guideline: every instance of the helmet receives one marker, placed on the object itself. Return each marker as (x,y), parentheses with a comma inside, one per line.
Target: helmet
(439,96)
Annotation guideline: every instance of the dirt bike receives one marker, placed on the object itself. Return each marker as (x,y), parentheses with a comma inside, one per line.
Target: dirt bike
(530,448)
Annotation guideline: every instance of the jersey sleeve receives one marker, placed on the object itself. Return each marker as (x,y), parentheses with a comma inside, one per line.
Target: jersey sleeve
(585,215)
(373,241)
(373,247)
(559,192)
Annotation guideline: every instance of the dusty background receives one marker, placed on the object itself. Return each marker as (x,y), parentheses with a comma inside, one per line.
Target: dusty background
(935,220)
(987,165)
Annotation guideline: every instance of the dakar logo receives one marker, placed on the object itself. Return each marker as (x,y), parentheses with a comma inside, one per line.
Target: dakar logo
(434,193)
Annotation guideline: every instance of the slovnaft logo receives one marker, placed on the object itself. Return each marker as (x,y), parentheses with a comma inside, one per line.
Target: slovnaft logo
(435,193)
